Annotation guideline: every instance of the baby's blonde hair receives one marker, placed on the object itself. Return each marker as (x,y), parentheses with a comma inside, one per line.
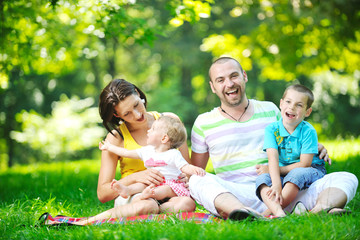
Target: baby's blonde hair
(175,130)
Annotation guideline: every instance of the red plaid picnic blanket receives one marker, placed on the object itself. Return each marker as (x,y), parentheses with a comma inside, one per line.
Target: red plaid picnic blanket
(195,217)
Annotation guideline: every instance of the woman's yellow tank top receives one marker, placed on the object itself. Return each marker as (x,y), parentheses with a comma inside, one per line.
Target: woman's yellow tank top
(129,165)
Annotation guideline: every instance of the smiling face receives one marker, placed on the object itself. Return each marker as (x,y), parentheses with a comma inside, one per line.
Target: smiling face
(131,109)
(228,82)
(294,108)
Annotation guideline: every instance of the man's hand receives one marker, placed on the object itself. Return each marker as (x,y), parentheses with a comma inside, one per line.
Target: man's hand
(323,154)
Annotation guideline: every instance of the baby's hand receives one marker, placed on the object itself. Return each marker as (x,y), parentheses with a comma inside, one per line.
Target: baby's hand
(199,171)
(104,145)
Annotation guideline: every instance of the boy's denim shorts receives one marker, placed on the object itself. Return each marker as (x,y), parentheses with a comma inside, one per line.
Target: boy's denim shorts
(301,177)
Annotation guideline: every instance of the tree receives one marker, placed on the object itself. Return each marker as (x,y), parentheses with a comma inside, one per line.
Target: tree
(56,47)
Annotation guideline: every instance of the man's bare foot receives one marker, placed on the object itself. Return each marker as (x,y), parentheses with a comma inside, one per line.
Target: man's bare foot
(148,192)
(121,189)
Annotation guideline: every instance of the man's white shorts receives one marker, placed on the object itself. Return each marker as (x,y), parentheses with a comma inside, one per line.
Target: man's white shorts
(205,189)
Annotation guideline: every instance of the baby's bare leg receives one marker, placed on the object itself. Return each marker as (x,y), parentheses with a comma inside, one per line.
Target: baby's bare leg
(126,191)
(158,193)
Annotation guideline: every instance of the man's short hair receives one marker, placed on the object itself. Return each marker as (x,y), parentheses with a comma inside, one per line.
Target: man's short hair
(225,59)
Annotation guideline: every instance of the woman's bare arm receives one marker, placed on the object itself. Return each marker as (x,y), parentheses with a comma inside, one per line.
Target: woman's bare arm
(107,172)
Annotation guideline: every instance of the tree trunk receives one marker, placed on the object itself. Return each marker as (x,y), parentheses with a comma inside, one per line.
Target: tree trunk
(186,88)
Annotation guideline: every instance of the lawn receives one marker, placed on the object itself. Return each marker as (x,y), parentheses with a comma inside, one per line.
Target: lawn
(69,188)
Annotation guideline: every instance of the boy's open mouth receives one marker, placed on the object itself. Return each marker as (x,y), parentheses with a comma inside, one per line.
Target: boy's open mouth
(290,115)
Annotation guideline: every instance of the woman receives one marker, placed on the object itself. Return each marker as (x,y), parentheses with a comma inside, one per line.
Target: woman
(123,111)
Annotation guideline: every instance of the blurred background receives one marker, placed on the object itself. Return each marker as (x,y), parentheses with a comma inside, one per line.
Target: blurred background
(56,56)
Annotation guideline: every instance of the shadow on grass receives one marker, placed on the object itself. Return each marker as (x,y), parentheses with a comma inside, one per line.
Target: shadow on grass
(67,181)
(351,164)
(42,184)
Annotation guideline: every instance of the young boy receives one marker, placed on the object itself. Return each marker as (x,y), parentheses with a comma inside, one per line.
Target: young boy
(165,135)
(290,143)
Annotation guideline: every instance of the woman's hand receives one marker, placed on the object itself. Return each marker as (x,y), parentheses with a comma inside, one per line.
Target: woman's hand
(149,176)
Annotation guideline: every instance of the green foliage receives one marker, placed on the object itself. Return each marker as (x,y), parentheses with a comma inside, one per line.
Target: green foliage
(72,126)
(49,38)
(292,39)
(53,47)
(166,98)
(189,11)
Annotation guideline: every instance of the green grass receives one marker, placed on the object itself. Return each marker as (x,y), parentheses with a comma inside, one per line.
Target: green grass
(69,188)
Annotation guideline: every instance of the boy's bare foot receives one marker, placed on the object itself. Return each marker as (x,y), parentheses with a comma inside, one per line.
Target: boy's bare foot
(121,189)
(148,192)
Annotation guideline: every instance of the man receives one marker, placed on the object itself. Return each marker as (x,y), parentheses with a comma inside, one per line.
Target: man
(233,136)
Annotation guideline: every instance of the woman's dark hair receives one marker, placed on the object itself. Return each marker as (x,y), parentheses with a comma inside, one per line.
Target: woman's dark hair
(116,91)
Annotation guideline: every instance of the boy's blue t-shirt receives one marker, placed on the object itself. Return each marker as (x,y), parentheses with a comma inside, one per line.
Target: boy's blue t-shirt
(302,141)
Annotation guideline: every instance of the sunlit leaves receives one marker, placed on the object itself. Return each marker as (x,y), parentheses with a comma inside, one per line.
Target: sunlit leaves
(45,39)
(4,81)
(72,126)
(50,37)
(228,44)
(190,11)
(290,40)
(132,25)
(33,41)
(200,92)
(343,84)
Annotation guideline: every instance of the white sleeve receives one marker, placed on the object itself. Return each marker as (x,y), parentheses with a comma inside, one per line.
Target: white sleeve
(178,159)
(143,151)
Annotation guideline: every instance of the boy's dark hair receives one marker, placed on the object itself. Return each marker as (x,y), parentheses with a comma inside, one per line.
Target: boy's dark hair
(302,89)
